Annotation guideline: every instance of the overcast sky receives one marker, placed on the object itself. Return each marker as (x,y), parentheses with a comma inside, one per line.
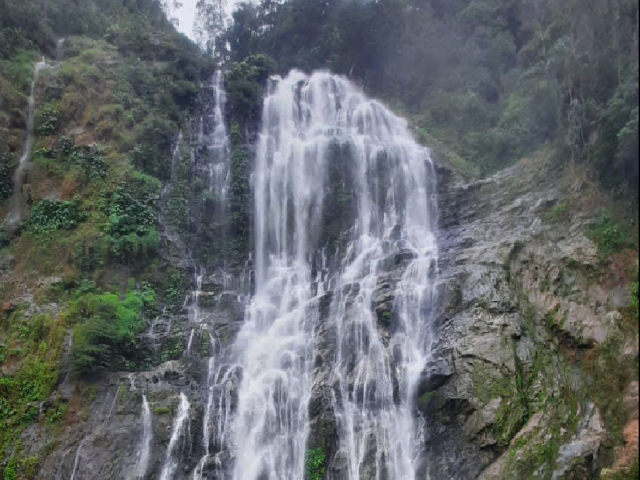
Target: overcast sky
(186,15)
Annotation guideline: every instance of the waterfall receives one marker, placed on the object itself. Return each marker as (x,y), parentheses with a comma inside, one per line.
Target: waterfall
(175,156)
(190,342)
(207,421)
(326,150)
(178,429)
(218,147)
(60,49)
(76,460)
(16,209)
(145,441)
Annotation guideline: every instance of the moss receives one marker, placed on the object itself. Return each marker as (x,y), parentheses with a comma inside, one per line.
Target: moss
(559,212)
(239,197)
(610,374)
(445,154)
(425,398)
(171,350)
(162,410)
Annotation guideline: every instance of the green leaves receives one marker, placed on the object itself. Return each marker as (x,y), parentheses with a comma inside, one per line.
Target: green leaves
(47,120)
(107,339)
(314,464)
(130,227)
(608,235)
(244,86)
(51,215)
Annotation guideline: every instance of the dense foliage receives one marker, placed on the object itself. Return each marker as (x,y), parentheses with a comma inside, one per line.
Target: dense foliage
(131,231)
(49,215)
(106,337)
(108,108)
(494,79)
(314,464)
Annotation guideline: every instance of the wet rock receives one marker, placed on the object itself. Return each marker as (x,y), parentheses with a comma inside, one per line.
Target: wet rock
(576,459)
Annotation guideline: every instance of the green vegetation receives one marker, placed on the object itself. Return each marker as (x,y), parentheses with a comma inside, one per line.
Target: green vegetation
(50,215)
(131,232)
(424,399)
(244,87)
(492,80)
(559,212)
(239,195)
(106,337)
(609,236)
(29,354)
(47,120)
(105,122)
(314,464)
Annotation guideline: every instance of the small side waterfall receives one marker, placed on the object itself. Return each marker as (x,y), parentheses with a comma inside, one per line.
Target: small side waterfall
(16,207)
(178,429)
(76,460)
(145,441)
(60,49)
(219,146)
(207,420)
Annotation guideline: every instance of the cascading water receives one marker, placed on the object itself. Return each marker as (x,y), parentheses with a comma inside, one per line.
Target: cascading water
(145,441)
(16,209)
(60,49)
(179,427)
(217,142)
(310,124)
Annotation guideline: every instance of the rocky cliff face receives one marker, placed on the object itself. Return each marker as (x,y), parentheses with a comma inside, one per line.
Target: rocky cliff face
(525,314)
(526,330)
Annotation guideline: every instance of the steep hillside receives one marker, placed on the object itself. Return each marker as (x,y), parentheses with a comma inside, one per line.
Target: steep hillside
(207,272)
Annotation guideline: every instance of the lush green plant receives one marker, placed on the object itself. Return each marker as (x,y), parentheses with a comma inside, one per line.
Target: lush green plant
(314,464)
(107,338)
(90,161)
(130,229)
(10,473)
(608,234)
(50,215)
(47,120)
(176,288)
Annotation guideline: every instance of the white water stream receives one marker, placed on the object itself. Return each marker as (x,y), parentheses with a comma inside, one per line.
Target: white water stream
(16,206)
(178,430)
(145,441)
(309,122)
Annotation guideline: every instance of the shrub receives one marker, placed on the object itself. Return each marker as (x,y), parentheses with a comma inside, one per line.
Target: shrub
(608,235)
(47,120)
(130,229)
(50,215)
(107,339)
(244,86)
(152,153)
(314,464)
